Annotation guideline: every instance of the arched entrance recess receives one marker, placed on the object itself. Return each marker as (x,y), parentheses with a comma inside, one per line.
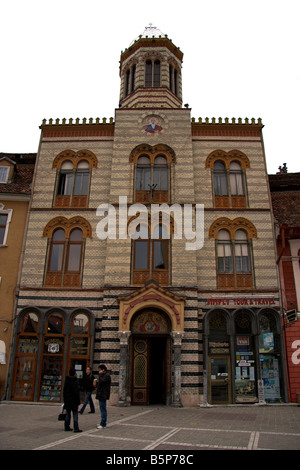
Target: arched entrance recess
(150,330)
(150,358)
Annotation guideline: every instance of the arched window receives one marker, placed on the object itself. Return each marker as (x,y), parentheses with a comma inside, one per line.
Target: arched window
(229,177)
(220,179)
(152,73)
(52,359)
(173,79)
(65,258)
(73,177)
(224,252)
(73,184)
(55,324)
(156,75)
(152,179)
(74,251)
(234,264)
(64,187)
(80,344)
(143,173)
(57,250)
(81,182)
(26,358)
(160,173)
(242,259)
(130,80)
(151,257)
(236,179)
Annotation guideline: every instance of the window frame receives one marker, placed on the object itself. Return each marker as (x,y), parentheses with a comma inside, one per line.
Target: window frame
(141,275)
(231,200)
(8,213)
(75,160)
(152,73)
(227,178)
(234,278)
(6,174)
(64,277)
(153,194)
(70,197)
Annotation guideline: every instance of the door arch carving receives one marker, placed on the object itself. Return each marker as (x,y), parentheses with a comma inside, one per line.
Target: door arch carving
(152,296)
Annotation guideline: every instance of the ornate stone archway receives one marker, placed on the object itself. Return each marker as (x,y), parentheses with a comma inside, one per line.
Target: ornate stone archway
(151,296)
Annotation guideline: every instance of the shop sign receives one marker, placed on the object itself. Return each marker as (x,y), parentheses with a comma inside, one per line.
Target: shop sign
(244,363)
(242,341)
(53,346)
(237,301)
(218,347)
(268,340)
(261,392)
(79,346)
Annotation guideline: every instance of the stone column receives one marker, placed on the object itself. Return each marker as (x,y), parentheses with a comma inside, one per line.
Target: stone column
(177,338)
(124,337)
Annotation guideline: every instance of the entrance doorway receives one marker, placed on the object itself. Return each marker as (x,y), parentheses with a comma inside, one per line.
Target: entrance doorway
(150,370)
(150,358)
(220,380)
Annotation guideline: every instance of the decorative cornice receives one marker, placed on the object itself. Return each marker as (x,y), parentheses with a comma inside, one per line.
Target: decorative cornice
(151,42)
(77,128)
(223,127)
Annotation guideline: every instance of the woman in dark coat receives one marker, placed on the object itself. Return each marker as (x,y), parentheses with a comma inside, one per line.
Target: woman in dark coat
(71,400)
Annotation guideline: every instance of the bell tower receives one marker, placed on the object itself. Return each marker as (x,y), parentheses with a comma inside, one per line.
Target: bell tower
(150,72)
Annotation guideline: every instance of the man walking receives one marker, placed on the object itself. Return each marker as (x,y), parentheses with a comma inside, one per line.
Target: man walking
(103,393)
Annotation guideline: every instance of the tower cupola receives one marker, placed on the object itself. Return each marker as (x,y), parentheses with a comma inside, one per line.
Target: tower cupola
(150,71)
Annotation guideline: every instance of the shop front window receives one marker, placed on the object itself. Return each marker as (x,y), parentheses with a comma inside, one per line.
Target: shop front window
(245,381)
(79,352)
(52,360)
(26,358)
(269,357)
(219,360)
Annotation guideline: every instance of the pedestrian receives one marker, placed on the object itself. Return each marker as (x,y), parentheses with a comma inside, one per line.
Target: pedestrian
(103,393)
(71,400)
(88,387)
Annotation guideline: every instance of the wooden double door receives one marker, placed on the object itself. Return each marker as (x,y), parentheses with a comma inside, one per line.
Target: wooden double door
(150,371)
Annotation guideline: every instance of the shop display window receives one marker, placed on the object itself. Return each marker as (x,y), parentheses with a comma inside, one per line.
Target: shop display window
(245,379)
(219,360)
(51,379)
(52,360)
(269,357)
(79,349)
(26,358)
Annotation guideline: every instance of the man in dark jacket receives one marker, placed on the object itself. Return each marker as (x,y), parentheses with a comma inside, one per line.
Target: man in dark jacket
(103,393)
(71,400)
(88,387)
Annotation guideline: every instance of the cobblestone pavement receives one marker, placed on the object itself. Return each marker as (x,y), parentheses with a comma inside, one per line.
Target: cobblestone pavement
(155,428)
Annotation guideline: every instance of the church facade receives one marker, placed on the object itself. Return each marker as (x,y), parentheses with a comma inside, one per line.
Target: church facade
(150,248)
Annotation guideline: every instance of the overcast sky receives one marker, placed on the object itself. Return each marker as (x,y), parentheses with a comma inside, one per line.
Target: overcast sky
(60,59)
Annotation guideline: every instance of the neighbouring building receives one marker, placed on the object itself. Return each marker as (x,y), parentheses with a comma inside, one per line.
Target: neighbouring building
(183,308)
(16,174)
(285,193)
